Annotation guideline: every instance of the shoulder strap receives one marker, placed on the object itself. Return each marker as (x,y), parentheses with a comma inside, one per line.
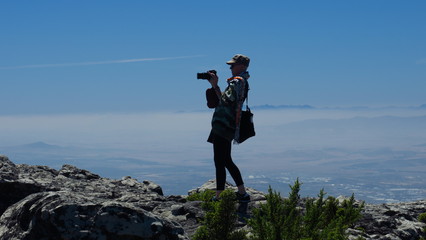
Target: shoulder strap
(247,95)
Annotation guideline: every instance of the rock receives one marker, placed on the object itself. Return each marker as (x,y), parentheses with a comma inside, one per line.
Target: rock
(75,173)
(69,215)
(8,170)
(177,209)
(150,186)
(38,202)
(12,188)
(211,185)
(392,221)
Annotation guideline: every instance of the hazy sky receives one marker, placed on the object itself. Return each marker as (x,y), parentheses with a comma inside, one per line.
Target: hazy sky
(131,56)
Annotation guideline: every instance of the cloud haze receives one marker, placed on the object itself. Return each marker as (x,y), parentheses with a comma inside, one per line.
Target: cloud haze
(421,61)
(342,150)
(181,136)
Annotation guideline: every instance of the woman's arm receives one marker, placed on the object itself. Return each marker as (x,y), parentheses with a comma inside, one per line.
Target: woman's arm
(213,94)
(212,97)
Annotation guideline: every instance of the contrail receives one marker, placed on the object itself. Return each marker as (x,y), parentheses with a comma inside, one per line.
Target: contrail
(96,63)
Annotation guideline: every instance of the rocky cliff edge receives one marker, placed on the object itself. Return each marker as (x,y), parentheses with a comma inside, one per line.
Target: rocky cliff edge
(38,202)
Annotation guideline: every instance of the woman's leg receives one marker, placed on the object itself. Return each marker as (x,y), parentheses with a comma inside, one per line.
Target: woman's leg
(219,148)
(223,159)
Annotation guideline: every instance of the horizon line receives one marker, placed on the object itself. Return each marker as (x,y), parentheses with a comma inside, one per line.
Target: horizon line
(261,107)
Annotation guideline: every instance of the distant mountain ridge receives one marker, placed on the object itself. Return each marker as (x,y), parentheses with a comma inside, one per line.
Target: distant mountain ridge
(267,107)
(308,107)
(38,145)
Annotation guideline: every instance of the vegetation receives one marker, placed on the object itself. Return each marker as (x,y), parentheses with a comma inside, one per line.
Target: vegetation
(322,218)
(206,198)
(328,219)
(422,218)
(279,218)
(220,220)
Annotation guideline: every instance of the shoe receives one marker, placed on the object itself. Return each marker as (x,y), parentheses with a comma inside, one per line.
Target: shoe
(243,198)
(215,199)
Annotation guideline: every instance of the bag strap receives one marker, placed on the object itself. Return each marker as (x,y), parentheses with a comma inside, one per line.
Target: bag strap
(247,95)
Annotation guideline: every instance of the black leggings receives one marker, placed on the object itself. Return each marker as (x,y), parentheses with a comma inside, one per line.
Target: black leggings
(222,160)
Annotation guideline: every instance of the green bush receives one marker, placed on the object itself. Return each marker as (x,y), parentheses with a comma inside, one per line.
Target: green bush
(220,220)
(281,219)
(202,196)
(205,197)
(422,218)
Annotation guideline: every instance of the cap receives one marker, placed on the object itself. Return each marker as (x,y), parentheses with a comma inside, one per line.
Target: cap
(239,59)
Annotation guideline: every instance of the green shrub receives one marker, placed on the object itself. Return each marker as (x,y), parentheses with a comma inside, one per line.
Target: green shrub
(281,219)
(205,197)
(422,218)
(202,196)
(220,220)
(278,218)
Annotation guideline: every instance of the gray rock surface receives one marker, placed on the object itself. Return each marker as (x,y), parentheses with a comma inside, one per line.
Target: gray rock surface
(69,215)
(255,196)
(391,221)
(40,203)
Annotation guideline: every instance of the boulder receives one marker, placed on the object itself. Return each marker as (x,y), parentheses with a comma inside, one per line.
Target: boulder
(8,170)
(12,187)
(70,215)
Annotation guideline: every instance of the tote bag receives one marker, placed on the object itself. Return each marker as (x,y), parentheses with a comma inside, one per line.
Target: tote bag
(246,125)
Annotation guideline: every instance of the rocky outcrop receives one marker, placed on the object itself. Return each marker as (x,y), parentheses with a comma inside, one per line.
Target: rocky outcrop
(68,215)
(391,221)
(40,203)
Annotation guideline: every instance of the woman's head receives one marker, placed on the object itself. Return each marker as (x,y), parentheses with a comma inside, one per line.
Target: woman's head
(239,64)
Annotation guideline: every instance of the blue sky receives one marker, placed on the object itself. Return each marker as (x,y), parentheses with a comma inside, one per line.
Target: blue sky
(71,56)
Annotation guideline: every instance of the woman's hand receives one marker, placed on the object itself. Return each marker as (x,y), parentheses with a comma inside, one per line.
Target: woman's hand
(213,80)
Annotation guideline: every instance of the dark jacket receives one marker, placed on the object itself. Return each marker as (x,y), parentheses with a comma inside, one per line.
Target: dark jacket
(228,105)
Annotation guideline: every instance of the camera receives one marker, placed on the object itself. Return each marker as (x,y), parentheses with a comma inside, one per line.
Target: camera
(206,75)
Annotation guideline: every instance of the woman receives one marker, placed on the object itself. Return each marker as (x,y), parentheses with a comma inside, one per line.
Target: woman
(226,122)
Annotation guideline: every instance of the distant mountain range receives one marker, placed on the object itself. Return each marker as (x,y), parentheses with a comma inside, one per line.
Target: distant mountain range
(267,106)
(37,145)
(306,106)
